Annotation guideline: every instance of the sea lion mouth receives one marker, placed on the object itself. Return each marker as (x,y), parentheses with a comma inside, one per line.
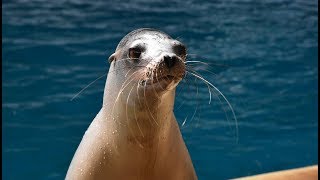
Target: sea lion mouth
(165,79)
(159,81)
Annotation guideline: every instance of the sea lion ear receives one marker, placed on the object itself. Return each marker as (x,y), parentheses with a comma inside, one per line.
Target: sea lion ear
(112,57)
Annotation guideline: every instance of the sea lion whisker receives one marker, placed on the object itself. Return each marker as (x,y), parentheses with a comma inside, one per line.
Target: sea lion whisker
(118,95)
(215,88)
(195,111)
(148,106)
(87,86)
(128,118)
(127,102)
(177,38)
(221,104)
(191,64)
(223,108)
(134,65)
(154,71)
(139,81)
(157,66)
(152,83)
(186,62)
(211,64)
(184,121)
(126,68)
(188,85)
(205,83)
(130,70)
(138,84)
(122,88)
(134,109)
(144,94)
(123,59)
(186,79)
(201,68)
(177,94)
(202,62)
(180,105)
(144,100)
(225,111)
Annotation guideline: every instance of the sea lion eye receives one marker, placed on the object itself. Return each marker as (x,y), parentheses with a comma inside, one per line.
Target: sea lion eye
(180,50)
(134,53)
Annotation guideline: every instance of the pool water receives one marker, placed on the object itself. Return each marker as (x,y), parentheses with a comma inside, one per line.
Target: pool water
(262,56)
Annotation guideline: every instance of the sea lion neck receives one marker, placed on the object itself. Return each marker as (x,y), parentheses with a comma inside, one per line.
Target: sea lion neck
(134,112)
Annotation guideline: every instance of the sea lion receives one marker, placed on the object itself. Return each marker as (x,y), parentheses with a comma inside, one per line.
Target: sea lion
(135,135)
(308,172)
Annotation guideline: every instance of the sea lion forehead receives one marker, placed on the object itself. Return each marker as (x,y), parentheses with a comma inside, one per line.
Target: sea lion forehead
(142,34)
(149,40)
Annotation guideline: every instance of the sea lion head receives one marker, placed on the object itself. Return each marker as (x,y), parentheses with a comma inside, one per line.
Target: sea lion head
(150,59)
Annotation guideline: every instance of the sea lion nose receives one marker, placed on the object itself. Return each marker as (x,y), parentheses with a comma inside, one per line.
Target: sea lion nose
(170,61)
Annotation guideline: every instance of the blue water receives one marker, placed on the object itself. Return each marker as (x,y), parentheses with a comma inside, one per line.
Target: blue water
(52,49)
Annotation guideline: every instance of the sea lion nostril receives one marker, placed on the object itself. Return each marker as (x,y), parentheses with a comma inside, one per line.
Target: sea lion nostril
(170,61)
